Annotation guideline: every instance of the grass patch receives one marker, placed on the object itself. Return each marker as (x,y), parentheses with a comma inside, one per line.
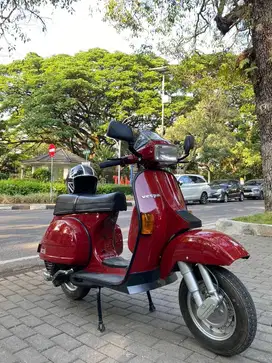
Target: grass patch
(27,199)
(262,218)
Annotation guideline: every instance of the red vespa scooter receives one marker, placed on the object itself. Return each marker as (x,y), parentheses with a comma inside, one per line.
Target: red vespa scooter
(80,253)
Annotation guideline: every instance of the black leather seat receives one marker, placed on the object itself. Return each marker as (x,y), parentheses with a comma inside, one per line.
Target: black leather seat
(89,203)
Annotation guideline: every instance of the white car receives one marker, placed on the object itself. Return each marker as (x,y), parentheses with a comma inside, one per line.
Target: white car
(194,187)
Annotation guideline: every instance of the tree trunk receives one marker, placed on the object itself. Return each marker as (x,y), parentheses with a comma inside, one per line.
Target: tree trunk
(262,44)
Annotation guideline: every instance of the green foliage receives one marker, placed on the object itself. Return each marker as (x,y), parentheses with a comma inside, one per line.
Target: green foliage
(42,174)
(29,198)
(262,218)
(102,153)
(111,188)
(176,27)
(22,187)
(69,100)
(219,111)
(3,176)
(27,187)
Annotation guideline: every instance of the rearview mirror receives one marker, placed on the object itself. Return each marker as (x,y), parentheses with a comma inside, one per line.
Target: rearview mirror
(188,144)
(119,131)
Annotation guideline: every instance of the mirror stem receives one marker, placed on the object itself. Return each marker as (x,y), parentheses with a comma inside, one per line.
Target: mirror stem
(134,152)
(183,157)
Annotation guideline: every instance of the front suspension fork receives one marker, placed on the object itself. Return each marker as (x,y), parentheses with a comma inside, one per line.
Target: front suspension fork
(205,307)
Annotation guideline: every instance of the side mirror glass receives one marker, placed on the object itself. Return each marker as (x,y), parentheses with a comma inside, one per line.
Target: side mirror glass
(188,144)
(119,131)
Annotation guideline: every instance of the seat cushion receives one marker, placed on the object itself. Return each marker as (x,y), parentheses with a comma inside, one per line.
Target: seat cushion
(84,203)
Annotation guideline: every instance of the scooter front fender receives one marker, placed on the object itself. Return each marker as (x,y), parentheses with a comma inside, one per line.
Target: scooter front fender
(201,246)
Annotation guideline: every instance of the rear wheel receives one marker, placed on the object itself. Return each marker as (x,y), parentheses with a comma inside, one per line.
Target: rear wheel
(241,197)
(226,198)
(262,195)
(74,292)
(203,198)
(231,328)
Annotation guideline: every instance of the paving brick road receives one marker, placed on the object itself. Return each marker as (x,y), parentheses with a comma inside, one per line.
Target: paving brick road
(38,324)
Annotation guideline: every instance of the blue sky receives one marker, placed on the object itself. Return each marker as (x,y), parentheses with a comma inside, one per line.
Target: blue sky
(68,34)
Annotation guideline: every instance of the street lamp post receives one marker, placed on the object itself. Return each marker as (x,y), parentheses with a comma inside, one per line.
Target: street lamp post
(118,143)
(162,70)
(162,115)
(119,166)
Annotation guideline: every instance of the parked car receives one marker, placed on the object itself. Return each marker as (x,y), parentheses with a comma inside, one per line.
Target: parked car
(194,187)
(254,189)
(225,190)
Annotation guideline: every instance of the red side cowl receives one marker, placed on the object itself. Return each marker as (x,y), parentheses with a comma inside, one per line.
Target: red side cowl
(66,242)
(200,246)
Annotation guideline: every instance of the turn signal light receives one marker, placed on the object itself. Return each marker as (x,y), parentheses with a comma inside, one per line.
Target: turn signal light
(147,223)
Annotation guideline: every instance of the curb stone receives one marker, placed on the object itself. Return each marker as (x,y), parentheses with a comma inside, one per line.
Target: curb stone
(38,206)
(231,227)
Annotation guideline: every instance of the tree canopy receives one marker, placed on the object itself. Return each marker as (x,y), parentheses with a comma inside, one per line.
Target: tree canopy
(190,24)
(219,111)
(69,100)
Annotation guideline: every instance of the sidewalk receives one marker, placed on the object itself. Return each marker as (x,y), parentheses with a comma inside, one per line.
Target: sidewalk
(38,324)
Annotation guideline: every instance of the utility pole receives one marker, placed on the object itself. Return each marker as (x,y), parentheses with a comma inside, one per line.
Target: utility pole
(164,98)
(162,117)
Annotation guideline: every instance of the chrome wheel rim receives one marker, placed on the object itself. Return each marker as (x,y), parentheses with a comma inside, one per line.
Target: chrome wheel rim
(69,286)
(221,324)
(226,198)
(204,198)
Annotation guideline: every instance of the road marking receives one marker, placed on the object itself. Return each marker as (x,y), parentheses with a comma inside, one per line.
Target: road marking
(18,259)
(24,226)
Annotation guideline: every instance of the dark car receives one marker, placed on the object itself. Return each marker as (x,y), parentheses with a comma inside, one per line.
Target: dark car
(254,189)
(225,190)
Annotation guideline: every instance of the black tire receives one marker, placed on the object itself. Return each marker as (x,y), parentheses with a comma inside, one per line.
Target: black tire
(203,198)
(261,195)
(74,292)
(225,198)
(241,197)
(245,315)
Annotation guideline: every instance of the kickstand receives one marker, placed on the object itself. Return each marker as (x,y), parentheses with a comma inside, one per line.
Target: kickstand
(101,326)
(151,305)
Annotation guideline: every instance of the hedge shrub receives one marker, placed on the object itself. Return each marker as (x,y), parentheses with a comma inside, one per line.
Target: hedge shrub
(42,174)
(25,187)
(3,176)
(28,199)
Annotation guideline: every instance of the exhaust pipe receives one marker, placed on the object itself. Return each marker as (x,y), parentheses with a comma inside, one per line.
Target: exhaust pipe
(59,277)
(46,275)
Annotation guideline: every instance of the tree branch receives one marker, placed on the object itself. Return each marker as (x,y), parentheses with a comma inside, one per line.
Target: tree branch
(225,23)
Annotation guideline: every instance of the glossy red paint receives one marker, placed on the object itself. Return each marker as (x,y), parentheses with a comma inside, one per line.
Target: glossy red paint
(158,193)
(201,246)
(66,242)
(86,239)
(83,240)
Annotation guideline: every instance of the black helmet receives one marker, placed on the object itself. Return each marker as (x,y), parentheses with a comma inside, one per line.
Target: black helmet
(81,179)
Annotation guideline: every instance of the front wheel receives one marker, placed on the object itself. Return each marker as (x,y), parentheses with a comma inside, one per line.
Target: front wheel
(74,292)
(241,197)
(203,198)
(231,328)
